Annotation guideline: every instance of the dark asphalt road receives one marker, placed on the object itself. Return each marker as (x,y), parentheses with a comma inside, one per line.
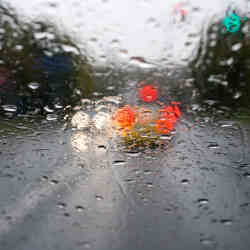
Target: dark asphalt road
(195,195)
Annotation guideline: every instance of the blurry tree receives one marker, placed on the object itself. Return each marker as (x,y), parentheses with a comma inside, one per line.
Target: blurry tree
(38,52)
(221,65)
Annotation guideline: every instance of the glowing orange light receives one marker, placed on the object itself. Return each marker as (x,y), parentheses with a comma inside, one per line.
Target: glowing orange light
(124,117)
(164,126)
(148,93)
(176,109)
(168,118)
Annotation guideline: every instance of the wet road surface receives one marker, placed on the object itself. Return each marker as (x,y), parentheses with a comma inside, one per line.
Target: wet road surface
(193,195)
(67,188)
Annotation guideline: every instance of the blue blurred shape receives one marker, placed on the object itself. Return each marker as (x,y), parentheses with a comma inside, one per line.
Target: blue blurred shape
(56,67)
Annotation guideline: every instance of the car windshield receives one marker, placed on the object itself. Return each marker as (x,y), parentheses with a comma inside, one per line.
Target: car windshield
(124,124)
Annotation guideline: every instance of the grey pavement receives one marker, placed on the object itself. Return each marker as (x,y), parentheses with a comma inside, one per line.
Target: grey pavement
(64,189)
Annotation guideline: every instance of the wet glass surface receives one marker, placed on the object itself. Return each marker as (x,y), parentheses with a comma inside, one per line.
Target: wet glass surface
(124,125)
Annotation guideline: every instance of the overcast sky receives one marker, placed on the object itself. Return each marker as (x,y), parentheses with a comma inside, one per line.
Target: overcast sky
(147,28)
